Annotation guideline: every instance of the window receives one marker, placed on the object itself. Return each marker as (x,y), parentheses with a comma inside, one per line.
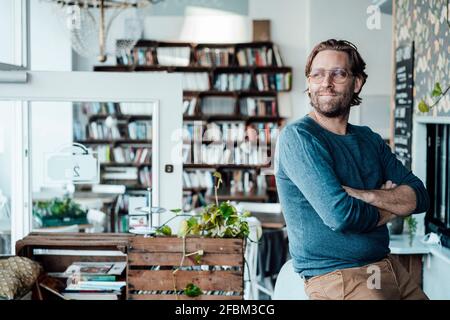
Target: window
(13,34)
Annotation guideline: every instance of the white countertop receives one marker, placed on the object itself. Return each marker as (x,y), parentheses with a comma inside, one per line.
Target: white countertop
(399,244)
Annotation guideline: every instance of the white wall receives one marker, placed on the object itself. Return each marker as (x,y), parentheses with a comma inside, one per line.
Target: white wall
(51,123)
(290,25)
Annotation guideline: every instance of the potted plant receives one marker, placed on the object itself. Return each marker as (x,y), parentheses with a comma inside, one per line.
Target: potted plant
(59,212)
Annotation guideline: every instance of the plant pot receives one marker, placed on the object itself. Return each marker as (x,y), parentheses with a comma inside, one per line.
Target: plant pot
(63,221)
(396,226)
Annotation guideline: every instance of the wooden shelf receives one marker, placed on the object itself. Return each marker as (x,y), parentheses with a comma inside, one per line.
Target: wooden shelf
(193,68)
(225,117)
(114,141)
(195,189)
(128,118)
(237,93)
(213,71)
(125,164)
(224,166)
(240,197)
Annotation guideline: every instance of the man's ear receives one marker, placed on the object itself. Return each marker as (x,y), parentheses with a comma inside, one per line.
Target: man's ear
(359,82)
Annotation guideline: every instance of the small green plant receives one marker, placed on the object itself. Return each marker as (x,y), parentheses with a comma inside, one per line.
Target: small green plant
(436,93)
(412,228)
(192,290)
(218,220)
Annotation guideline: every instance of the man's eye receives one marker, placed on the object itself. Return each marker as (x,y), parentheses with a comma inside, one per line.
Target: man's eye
(342,74)
(316,75)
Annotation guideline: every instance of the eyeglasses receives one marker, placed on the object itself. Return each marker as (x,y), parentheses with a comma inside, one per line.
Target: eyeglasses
(338,76)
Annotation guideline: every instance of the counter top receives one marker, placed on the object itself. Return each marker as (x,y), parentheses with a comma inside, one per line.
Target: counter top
(399,244)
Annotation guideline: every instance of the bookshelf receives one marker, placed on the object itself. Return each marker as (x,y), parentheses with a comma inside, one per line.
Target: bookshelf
(230,97)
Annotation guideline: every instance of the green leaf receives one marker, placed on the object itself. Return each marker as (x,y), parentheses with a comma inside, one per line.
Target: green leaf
(218,175)
(246,214)
(164,230)
(192,290)
(226,209)
(423,107)
(437,91)
(192,222)
(198,259)
(177,211)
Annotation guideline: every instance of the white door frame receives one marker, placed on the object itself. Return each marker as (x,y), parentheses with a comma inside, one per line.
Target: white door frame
(163,88)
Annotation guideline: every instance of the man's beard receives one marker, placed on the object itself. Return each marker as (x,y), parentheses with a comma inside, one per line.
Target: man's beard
(337,107)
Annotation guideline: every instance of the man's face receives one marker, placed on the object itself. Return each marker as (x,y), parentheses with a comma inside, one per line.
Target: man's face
(332,96)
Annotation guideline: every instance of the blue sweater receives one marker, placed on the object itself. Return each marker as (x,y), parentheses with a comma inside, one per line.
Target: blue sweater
(327,228)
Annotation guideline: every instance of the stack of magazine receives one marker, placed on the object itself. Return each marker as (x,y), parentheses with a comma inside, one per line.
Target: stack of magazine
(94,281)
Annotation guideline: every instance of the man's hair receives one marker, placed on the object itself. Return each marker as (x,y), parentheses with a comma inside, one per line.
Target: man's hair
(357,64)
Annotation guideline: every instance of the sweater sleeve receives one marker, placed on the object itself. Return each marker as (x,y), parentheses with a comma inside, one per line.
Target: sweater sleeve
(395,171)
(309,166)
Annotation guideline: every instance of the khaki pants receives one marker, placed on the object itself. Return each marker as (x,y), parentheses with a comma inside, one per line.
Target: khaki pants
(383,280)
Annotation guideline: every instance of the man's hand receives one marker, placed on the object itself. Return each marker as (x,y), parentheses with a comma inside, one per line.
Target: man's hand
(385,216)
(400,200)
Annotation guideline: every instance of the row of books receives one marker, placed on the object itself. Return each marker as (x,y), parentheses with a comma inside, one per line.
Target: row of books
(198,179)
(174,56)
(212,105)
(100,130)
(245,153)
(136,130)
(206,56)
(260,57)
(103,152)
(232,131)
(192,200)
(181,292)
(141,56)
(193,131)
(100,108)
(233,81)
(246,182)
(138,155)
(120,173)
(228,131)
(195,81)
(145,177)
(128,175)
(122,154)
(258,106)
(113,108)
(219,57)
(189,106)
(140,130)
(273,81)
(267,131)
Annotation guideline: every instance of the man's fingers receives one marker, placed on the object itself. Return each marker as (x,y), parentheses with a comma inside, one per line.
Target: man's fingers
(388,184)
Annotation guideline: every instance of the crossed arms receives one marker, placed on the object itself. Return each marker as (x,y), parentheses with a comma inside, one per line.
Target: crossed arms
(391,200)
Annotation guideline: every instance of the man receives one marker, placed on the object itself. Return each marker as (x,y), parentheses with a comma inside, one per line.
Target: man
(339,184)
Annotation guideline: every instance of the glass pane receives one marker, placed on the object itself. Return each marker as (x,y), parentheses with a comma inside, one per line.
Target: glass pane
(10,32)
(6,129)
(91,165)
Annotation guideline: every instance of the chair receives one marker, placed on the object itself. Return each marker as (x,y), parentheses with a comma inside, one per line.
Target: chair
(289,285)
(251,258)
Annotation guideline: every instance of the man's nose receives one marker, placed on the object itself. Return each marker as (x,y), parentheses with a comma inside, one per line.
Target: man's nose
(327,80)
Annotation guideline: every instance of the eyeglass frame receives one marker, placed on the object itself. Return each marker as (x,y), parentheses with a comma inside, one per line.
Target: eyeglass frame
(349,74)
